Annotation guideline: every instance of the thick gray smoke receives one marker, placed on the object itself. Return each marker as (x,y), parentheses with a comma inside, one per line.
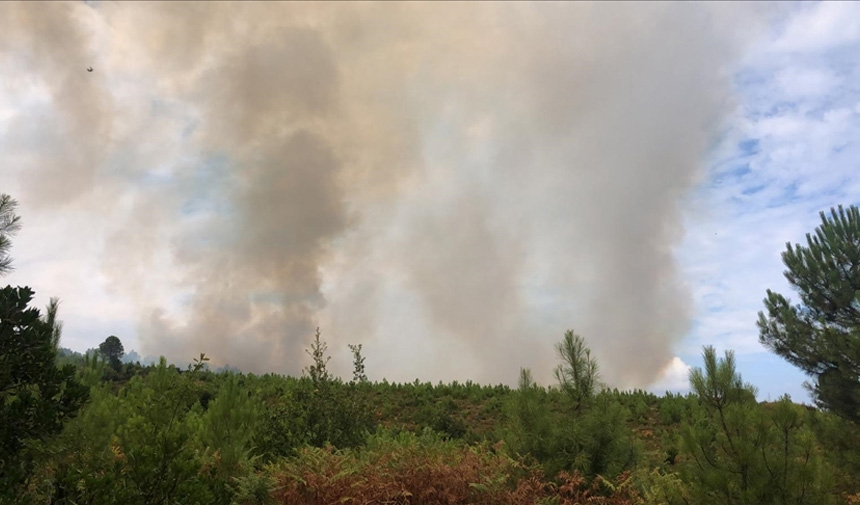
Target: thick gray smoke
(452,185)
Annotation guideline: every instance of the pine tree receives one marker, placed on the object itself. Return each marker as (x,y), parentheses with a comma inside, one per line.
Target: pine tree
(721,437)
(821,335)
(36,397)
(529,422)
(317,371)
(737,452)
(577,374)
(55,324)
(10,223)
(358,374)
(113,350)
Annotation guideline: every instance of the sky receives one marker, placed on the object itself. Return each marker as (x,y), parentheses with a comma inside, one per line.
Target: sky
(452,186)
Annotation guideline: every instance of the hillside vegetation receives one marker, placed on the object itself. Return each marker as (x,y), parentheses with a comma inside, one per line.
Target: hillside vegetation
(159,434)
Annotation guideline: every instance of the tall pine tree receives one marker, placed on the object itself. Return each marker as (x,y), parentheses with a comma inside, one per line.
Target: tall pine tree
(821,335)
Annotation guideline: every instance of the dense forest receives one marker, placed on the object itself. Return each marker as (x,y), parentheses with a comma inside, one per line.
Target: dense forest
(90,429)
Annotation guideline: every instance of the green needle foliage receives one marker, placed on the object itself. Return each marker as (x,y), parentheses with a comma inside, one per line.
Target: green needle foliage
(739,453)
(55,324)
(36,397)
(577,374)
(169,435)
(10,223)
(580,430)
(821,335)
(358,374)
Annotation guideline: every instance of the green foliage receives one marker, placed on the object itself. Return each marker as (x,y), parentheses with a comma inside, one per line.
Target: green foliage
(318,371)
(164,435)
(442,417)
(840,441)
(529,429)
(10,224)
(723,437)
(358,374)
(225,435)
(36,397)
(112,349)
(587,432)
(795,471)
(154,458)
(604,443)
(821,335)
(153,442)
(577,374)
(55,324)
(173,436)
(719,384)
(254,488)
(304,415)
(335,415)
(740,453)
(285,420)
(663,488)
(316,410)
(199,363)
(672,409)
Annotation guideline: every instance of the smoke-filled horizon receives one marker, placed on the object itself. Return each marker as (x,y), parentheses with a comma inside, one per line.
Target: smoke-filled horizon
(450,185)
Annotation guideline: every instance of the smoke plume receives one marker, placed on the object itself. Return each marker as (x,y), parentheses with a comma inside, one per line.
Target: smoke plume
(452,185)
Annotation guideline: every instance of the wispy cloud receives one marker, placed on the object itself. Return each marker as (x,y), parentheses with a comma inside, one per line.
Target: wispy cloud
(791,151)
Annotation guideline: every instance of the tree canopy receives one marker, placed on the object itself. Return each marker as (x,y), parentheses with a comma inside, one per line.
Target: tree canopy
(821,335)
(112,349)
(36,397)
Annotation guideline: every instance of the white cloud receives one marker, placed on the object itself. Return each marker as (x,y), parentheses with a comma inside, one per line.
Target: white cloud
(790,152)
(675,378)
(805,82)
(823,26)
